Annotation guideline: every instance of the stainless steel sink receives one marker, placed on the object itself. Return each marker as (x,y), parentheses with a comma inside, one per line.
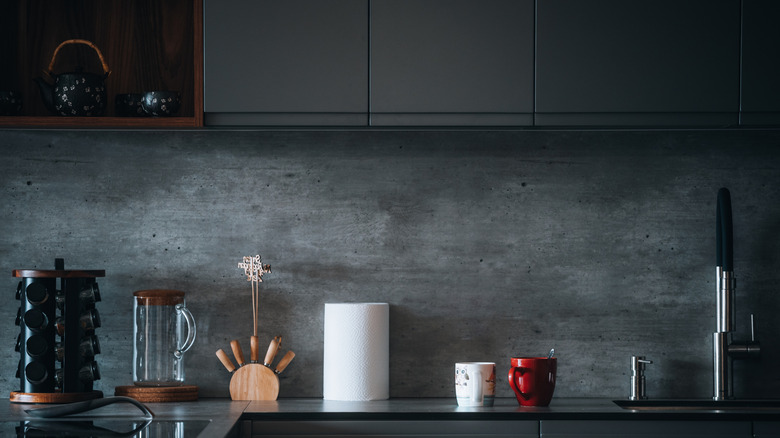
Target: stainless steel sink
(699,404)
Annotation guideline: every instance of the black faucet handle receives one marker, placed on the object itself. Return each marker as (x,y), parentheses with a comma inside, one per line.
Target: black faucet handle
(724,236)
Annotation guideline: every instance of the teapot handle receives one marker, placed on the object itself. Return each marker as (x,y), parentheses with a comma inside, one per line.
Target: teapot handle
(79,41)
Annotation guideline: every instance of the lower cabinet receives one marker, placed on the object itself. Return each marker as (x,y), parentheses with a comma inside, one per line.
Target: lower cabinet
(645,429)
(514,429)
(460,429)
(766,429)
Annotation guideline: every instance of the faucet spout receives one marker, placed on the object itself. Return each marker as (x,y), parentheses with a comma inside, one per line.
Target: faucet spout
(724,233)
(724,253)
(724,351)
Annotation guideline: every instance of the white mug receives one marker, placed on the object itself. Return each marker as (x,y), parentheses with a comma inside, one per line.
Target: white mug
(475,383)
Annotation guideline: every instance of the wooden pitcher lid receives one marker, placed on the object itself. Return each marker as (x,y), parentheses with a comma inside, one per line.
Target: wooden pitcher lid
(159,297)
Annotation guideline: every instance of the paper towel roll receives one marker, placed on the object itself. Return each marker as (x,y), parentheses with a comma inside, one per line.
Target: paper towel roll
(356,363)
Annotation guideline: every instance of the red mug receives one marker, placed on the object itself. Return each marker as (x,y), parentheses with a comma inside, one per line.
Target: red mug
(533,380)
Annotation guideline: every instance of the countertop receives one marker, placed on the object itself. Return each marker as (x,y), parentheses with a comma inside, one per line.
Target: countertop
(503,409)
(223,415)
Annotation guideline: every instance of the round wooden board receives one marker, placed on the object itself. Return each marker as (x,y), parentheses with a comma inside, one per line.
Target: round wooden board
(254,382)
(159,394)
(53,397)
(59,273)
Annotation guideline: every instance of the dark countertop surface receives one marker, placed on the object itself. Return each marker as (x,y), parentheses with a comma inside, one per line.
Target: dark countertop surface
(503,409)
(217,417)
(205,417)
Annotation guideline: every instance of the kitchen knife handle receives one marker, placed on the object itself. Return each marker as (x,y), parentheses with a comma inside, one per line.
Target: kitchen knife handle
(237,352)
(288,357)
(254,349)
(223,357)
(272,349)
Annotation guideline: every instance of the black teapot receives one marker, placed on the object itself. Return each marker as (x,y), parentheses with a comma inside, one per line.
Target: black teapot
(76,93)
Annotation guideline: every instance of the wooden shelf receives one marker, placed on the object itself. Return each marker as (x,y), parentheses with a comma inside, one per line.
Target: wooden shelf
(148,45)
(100,122)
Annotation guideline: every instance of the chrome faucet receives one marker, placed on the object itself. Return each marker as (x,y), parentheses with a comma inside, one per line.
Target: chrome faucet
(724,350)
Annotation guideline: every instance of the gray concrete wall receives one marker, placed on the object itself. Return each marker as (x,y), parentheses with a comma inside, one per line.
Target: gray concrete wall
(486,245)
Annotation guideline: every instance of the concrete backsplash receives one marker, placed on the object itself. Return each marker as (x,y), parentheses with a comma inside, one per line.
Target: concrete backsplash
(486,244)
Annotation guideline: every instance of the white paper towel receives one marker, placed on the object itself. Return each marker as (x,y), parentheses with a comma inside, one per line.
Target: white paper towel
(356,365)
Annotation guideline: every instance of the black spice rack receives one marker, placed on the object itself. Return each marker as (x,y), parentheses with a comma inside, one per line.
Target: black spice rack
(57,342)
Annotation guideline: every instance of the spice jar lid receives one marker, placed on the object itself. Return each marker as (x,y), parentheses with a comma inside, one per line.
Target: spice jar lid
(159,297)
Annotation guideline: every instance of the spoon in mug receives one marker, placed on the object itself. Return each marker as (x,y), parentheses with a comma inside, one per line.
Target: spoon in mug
(552,351)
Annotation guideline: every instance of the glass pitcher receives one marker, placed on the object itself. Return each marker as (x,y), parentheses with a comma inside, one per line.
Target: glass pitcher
(164,330)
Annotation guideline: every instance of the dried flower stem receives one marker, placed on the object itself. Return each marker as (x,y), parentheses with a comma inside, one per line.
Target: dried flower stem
(254,269)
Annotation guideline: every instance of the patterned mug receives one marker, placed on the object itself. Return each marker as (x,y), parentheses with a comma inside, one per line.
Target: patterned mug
(475,383)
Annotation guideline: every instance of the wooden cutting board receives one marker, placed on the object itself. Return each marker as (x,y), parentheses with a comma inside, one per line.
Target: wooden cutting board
(254,381)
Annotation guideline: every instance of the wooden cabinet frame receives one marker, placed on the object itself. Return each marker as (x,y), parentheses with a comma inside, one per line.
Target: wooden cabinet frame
(148,45)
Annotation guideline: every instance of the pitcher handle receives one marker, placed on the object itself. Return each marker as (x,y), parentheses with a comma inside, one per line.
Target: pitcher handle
(191,330)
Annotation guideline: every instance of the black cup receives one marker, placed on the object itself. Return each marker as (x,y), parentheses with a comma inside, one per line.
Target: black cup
(161,103)
(10,103)
(129,105)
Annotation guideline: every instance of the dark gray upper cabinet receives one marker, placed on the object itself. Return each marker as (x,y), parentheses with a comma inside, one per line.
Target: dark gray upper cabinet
(452,62)
(637,62)
(286,62)
(760,62)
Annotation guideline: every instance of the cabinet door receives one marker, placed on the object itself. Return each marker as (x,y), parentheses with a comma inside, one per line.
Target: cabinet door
(637,62)
(766,429)
(645,429)
(760,62)
(444,62)
(286,62)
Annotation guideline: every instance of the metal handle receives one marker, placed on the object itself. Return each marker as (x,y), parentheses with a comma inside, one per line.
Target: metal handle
(752,329)
(638,363)
(748,349)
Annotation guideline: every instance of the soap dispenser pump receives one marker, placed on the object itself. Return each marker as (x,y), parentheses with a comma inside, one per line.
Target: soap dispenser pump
(638,377)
